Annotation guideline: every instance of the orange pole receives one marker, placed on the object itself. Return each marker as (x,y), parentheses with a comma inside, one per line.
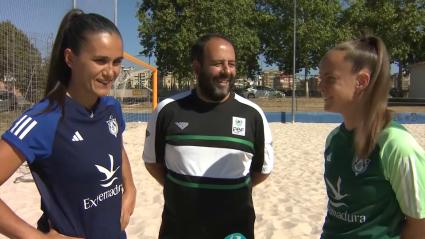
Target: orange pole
(138,61)
(154,73)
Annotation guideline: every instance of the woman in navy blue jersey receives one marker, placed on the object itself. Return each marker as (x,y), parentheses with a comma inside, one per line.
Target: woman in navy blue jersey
(72,139)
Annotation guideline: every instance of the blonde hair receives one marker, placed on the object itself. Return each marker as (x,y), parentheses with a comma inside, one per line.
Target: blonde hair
(370,52)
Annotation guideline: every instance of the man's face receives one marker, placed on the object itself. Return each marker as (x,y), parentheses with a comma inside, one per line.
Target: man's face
(216,74)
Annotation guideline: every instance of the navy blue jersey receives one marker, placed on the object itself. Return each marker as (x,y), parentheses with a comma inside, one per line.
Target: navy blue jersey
(75,159)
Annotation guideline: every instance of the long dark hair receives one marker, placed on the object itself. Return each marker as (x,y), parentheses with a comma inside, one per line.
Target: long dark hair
(72,34)
(370,52)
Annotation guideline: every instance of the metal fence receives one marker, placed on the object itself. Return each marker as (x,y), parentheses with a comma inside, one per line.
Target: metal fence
(27,31)
(23,69)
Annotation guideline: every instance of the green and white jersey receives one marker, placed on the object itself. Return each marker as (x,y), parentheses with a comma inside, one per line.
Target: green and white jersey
(210,151)
(369,198)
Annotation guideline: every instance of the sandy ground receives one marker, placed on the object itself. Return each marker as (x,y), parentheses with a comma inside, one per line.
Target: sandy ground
(290,204)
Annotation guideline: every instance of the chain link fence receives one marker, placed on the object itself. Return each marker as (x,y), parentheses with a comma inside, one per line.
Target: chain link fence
(27,32)
(23,69)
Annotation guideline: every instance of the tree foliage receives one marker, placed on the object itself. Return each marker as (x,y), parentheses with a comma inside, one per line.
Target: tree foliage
(168,29)
(316,30)
(401,24)
(20,61)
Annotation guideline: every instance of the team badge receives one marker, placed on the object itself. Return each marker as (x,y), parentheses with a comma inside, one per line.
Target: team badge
(359,166)
(238,126)
(112,125)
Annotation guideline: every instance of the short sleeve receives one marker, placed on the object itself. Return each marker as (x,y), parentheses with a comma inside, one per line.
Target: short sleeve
(149,151)
(403,162)
(121,120)
(155,141)
(32,134)
(268,147)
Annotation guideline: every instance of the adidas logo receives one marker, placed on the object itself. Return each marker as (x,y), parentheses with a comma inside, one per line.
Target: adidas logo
(182,125)
(23,126)
(77,137)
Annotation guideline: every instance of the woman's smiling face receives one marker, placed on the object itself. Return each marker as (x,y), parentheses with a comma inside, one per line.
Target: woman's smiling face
(337,82)
(95,67)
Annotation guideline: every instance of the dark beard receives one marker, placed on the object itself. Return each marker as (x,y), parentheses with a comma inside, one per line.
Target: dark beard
(209,90)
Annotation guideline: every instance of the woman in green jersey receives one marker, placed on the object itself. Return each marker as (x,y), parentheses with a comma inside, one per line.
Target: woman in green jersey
(374,169)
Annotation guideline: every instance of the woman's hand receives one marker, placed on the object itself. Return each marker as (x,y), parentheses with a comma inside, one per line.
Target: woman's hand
(129,195)
(127,208)
(53,234)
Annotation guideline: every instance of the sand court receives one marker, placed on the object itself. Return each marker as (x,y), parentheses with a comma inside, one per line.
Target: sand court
(291,203)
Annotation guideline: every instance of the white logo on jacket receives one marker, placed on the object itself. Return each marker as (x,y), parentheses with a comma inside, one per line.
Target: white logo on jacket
(182,125)
(110,192)
(339,209)
(112,125)
(238,126)
(336,193)
(77,137)
(23,126)
(109,173)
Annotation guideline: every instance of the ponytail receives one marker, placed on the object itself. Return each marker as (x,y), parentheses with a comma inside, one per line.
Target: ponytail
(59,73)
(370,52)
(72,34)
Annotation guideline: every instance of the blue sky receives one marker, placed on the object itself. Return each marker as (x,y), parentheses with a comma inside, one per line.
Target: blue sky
(43,17)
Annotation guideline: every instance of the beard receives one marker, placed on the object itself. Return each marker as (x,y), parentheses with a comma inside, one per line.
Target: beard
(210,90)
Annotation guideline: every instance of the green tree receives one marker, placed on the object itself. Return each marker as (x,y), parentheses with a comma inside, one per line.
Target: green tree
(317,29)
(21,62)
(168,29)
(401,25)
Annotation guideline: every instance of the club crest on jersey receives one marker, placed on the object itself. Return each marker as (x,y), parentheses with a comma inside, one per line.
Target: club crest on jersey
(359,166)
(238,126)
(113,126)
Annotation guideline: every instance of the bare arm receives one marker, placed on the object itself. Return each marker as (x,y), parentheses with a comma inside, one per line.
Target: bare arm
(157,171)
(258,178)
(10,224)
(129,195)
(413,228)
(127,176)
